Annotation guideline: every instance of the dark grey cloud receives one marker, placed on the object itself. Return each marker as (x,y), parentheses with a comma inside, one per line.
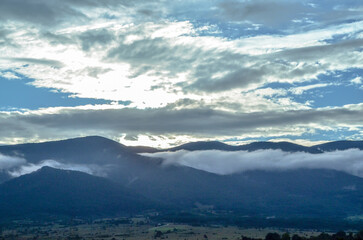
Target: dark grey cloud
(5,40)
(196,122)
(163,57)
(37,11)
(320,51)
(314,60)
(157,55)
(95,71)
(281,14)
(222,162)
(39,61)
(57,39)
(237,77)
(99,37)
(214,70)
(53,12)
(271,13)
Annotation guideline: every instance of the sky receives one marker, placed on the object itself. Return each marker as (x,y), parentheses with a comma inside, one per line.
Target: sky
(161,73)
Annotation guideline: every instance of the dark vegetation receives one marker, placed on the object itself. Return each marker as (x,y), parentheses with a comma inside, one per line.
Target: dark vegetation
(195,218)
(341,235)
(62,192)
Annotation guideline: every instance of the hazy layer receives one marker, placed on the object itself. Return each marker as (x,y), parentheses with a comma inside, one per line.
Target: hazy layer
(222,162)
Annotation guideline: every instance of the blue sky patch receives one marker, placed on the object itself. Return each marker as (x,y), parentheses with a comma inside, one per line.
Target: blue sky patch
(18,93)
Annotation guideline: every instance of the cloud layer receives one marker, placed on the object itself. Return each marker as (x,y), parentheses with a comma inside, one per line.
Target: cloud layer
(8,162)
(30,167)
(199,122)
(17,166)
(252,68)
(221,162)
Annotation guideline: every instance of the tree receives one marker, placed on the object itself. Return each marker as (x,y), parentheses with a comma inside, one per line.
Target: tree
(359,235)
(272,236)
(296,237)
(341,235)
(323,236)
(158,234)
(285,236)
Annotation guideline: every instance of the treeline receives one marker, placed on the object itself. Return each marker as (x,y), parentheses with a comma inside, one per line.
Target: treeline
(341,235)
(196,218)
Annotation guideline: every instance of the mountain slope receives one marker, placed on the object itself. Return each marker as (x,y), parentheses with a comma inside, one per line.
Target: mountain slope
(339,145)
(207,145)
(63,192)
(284,146)
(112,158)
(97,149)
(294,192)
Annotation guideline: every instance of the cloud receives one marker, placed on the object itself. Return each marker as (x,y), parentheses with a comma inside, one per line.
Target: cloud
(199,122)
(279,14)
(8,75)
(357,80)
(301,90)
(221,162)
(36,61)
(53,12)
(39,12)
(320,51)
(157,63)
(30,167)
(156,56)
(100,37)
(270,13)
(17,166)
(8,162)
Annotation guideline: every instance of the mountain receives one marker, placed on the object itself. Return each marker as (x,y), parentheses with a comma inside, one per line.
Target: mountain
(109,157)
(284,146)
(339,145)
(313,193)
(207,145)
(63,192)
(96,149)
(288,193)
(142,149)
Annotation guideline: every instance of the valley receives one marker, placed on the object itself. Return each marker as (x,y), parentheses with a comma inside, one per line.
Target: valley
(134,228)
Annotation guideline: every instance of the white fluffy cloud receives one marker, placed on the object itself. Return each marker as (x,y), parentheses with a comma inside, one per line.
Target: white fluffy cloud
(156,63)
(221,162)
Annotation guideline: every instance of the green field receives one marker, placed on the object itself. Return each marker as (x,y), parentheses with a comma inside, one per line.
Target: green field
(134,228)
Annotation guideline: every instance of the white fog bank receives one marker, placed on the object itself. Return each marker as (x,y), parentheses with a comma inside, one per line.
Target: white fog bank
(222,162)
(86,168)
(7,162)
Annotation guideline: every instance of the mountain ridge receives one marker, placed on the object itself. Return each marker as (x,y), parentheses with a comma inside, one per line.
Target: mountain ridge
(55,191)
(283,145)
(308,192)
(207,145)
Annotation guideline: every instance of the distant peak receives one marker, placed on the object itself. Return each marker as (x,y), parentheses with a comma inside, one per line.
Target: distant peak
(95,137)
(91,139)
(48,169)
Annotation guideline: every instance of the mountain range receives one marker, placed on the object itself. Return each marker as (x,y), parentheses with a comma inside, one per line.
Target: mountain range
(115,179)
(284,146)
